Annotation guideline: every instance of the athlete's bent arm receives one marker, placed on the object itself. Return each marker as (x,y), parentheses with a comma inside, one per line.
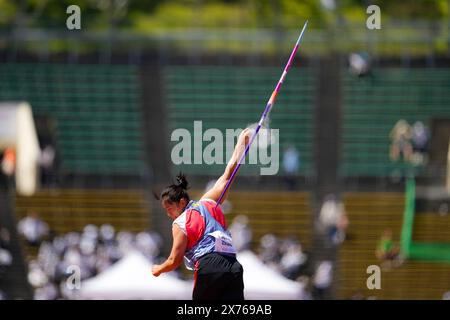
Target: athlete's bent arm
(176,255)
(215,192)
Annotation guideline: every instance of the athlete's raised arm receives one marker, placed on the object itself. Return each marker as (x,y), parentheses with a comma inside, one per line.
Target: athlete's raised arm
(215,192)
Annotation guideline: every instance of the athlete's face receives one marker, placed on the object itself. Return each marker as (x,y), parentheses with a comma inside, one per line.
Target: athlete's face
(174,209)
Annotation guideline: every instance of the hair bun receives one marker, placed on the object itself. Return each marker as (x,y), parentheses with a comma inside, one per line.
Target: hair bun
(182,181)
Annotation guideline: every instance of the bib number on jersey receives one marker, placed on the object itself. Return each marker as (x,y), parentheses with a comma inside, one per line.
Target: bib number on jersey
(223,242)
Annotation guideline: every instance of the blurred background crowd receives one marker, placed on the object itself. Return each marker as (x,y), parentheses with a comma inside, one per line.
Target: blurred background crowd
(91,92)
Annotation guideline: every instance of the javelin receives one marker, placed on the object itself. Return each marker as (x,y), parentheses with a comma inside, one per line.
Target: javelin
(269,106)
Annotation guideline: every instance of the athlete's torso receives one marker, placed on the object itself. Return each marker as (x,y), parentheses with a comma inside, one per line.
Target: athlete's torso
(204,225)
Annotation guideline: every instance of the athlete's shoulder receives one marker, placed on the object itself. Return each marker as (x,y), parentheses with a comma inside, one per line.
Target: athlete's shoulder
(194,204)
(180,221)
(181,218)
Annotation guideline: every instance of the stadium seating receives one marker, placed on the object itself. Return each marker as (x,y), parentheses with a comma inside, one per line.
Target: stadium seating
(431,227)
(70,210)
(96,108)
(369,215)
(280,213)
(234,97)
(372,106)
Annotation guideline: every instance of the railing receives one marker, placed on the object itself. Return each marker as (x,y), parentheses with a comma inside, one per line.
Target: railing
(429,251)
(396,38)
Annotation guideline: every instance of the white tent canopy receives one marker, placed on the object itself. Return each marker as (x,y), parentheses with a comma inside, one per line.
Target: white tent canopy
(131,278)
(17,131)
(261,282)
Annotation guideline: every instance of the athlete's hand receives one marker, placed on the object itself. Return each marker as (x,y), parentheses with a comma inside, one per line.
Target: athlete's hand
(244,137)
(246,134)
(156,270)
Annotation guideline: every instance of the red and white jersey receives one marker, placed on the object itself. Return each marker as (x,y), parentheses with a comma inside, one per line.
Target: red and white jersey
(204,225)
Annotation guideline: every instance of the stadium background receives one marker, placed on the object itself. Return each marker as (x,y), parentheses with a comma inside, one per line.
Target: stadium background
(107,97)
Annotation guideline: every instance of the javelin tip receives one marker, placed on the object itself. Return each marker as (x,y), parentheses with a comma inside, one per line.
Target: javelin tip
(301,33)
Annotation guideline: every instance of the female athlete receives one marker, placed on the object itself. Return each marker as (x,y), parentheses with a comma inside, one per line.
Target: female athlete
(200,235)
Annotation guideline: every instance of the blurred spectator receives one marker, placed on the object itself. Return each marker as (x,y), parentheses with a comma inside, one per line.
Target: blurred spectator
(4,238)
(33,229)
(59,245)
(420,136)
(48,258)
(47,164)
(5,255)
(90,231)
(333,219)
(292,258)
(125,241)
(102,262)
(446,295)
(291,164)
(443,209)
(283,255)
(47,292)
(107,234)
(241,232)
(386,250)
(269,251)
(36,276)
(110,252)
(401,144)
(328,4)
(93,250)
(9,162)
(5,258)
(157,239)
(359,63)
(305,281)
(148,244)
(322,279)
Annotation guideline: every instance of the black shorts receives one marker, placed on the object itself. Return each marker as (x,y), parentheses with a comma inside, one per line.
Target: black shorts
(218,277)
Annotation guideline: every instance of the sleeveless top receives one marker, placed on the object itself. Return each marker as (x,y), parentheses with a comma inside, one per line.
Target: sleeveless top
(204,225)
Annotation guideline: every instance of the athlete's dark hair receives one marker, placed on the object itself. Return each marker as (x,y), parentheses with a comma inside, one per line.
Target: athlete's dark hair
(176,191)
